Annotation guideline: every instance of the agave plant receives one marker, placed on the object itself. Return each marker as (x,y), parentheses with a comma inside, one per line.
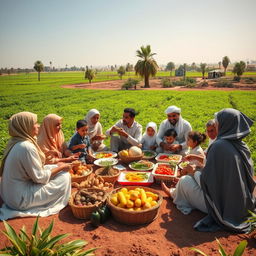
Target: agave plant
(238,251)
(41,244)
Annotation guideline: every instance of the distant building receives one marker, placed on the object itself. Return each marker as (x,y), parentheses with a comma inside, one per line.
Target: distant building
(215,74)
(251,67)
(179,71)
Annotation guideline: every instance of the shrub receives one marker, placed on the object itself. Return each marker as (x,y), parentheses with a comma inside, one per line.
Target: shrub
(130,83)
(250,80)
(40,243)
(224,84)
(166,83)
(237,78)
(188,82)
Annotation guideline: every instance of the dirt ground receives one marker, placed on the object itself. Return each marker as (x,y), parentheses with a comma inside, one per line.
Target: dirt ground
(171,234)
(155,84)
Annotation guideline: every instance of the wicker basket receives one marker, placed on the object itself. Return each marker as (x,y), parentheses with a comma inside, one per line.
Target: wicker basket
(79,179)
(109,179)
(84,212)
(128,159)
(134,217)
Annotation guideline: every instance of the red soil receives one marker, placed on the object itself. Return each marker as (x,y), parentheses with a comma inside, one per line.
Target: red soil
(171,233)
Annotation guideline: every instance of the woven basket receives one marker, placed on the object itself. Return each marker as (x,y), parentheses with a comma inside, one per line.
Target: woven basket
(128,159)
(84,212)
(79,179)
(167,179)
(134,217)
(109,179)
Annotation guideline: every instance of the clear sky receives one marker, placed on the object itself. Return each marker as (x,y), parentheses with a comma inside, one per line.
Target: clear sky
(108,32)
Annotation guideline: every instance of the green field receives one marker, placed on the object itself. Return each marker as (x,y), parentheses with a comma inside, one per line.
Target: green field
(24,93)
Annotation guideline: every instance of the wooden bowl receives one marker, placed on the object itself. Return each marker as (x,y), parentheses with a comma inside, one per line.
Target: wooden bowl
(110,179)
(128,159)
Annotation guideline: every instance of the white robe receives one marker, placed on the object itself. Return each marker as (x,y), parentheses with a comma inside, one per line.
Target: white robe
(27,189)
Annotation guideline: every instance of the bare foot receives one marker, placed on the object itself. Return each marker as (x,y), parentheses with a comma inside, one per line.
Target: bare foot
(165,189)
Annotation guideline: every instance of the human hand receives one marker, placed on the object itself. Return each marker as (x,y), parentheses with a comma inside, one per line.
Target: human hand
(123,133)
(187,158)
(82,146)
(189,169)
(66,167)
(73,157)
(175,147)
(115,129)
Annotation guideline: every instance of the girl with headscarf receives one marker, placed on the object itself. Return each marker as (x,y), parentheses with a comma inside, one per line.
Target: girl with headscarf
(148,140)
(51,141)
(27,186)
(224,188)
(95,130)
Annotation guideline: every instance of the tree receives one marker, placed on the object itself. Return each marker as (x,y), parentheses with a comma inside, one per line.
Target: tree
(146,66)
(203,68)
(193,66)
(239,68)
(170,66)
(225,62)
(130,83)
(39,67)
(219,64)
(185,70)
(129,67)
(121,71)
(89,74)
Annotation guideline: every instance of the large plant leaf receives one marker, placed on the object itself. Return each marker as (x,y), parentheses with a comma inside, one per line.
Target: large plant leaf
(221,250)
(45,237)
(13,237)
(23,235)
(199,251)
(54,240)
(35,226)
(240,248)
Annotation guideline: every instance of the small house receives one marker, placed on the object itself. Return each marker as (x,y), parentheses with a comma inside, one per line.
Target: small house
(179,71)
(215,74)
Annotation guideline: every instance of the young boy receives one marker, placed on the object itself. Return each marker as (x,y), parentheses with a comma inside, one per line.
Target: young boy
(169,138)
(80,142)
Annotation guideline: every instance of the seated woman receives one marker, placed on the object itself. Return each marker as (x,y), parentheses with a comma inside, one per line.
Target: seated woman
(51,141)
(224,188)
(27,186)
(95,130)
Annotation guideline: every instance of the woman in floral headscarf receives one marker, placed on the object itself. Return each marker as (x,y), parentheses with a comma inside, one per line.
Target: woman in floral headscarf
(27,186)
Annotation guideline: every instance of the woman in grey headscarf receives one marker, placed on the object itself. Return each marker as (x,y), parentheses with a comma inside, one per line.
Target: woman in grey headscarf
(224,190)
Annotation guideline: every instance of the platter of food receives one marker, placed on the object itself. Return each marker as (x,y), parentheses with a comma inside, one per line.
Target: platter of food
(103,162)
(104,154)
(135,178)
(149,154)
(183,164)
(162,157)
(164,172)
(142,165)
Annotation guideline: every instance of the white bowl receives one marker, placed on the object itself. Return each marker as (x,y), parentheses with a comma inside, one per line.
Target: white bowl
(103,162)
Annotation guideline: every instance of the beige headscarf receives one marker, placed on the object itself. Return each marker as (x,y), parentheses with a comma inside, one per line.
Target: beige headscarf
(48,139)
(20,129)
(93,128)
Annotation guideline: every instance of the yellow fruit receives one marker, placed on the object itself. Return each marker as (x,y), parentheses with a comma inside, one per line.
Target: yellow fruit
(124,153)
(121,197)
(124,190)
(134,195)
(143,196)
(127,196)
(121,205)
(153,195)
(138,189)
(146,206)
(153,203)
(137,209)
(130,204)
(149,199)
(130,209)
(137,202)
(114,200)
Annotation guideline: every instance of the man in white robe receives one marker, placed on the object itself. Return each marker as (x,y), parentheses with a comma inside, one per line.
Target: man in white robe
(181,126)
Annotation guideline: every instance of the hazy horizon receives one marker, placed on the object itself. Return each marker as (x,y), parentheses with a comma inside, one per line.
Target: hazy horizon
(101,33)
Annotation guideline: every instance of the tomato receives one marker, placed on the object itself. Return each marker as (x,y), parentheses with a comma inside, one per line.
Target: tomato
(164,169)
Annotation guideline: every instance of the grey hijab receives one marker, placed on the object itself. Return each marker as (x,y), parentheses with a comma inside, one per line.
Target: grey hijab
(227,179)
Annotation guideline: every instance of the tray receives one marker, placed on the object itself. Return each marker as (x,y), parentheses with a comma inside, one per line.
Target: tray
(141,170)
(123,181)
(97,155)
(164,177)
(149,157)
(175,158)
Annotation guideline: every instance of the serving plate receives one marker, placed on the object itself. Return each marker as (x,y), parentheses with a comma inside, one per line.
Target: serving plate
(103,162)
(149,154)
(162,157)
(146,182)
(135,166)
(104,154)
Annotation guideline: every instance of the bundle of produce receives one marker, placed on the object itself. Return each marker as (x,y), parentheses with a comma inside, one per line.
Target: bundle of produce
(108,173)
(79,171)
(132,154)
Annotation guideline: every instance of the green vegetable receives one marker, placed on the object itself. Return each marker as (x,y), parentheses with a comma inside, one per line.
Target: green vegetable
(140,166)
(104,213)
(148,153)
(95,219)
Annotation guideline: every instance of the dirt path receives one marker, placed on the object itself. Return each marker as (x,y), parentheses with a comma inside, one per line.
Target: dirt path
(155,84)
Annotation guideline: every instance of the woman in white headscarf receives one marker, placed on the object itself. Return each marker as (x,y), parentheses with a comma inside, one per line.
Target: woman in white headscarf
(95,130)
(148,140)
(27,186)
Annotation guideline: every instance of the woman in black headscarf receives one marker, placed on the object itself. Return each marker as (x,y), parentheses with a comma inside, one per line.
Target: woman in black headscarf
(226,184)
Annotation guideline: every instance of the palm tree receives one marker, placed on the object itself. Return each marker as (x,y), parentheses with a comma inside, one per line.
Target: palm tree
(203,68)
(39,67)
(225,62)
(239,68)
(184,71)
(146,66)
(121,71)
(170,66)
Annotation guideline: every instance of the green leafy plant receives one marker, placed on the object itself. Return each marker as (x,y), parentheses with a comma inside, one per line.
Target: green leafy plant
(41,243)
(238,251)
